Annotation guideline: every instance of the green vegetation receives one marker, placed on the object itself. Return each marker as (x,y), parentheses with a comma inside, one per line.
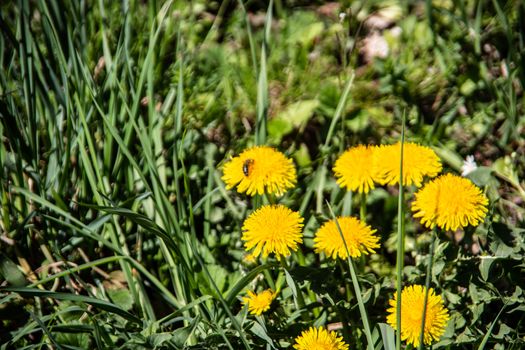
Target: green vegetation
(116,230)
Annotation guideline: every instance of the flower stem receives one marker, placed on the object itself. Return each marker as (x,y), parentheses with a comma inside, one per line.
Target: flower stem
(348,289)
(362,209)
(427,286)
(257,201)
(269,199)
(400,240)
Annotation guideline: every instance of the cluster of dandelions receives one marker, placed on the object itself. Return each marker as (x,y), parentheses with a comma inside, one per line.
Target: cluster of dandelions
(448,202)
(276,229)
(361,167)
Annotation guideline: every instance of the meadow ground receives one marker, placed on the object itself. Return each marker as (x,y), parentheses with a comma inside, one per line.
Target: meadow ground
(226,174)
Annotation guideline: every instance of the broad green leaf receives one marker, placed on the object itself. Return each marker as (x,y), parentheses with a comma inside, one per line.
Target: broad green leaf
(121,297)
(481,176)
(181,335)
(259,330)
(503,331)
(299,113)
(381,116)
(295,115)
(278,128)
(302,157)
(291,283)
(484,266)
(306,35)
(9,270)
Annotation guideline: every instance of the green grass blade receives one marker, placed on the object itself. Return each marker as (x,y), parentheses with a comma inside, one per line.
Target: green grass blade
(355,283)
(262,84)
(400,239)
(489,331)
(244,281)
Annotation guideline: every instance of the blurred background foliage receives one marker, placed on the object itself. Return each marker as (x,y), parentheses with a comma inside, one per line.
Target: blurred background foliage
(115,116)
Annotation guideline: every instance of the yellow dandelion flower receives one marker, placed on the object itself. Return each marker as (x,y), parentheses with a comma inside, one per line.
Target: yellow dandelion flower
(412,302)
(359,238)
(354,170)
(272,229)
(450,202)
(259,303)
(259,169)
(418,162)
(319,338)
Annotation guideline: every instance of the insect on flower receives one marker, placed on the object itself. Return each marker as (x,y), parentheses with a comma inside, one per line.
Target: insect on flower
(260,169)
(247,167)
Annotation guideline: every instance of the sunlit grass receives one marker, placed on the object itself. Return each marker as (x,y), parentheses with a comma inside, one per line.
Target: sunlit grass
(119,227)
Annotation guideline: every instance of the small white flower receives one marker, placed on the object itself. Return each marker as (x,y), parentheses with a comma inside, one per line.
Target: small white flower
(469,165)
(396,31)
(342,16)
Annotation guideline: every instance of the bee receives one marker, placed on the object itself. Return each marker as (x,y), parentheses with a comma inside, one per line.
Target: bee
(247,167)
